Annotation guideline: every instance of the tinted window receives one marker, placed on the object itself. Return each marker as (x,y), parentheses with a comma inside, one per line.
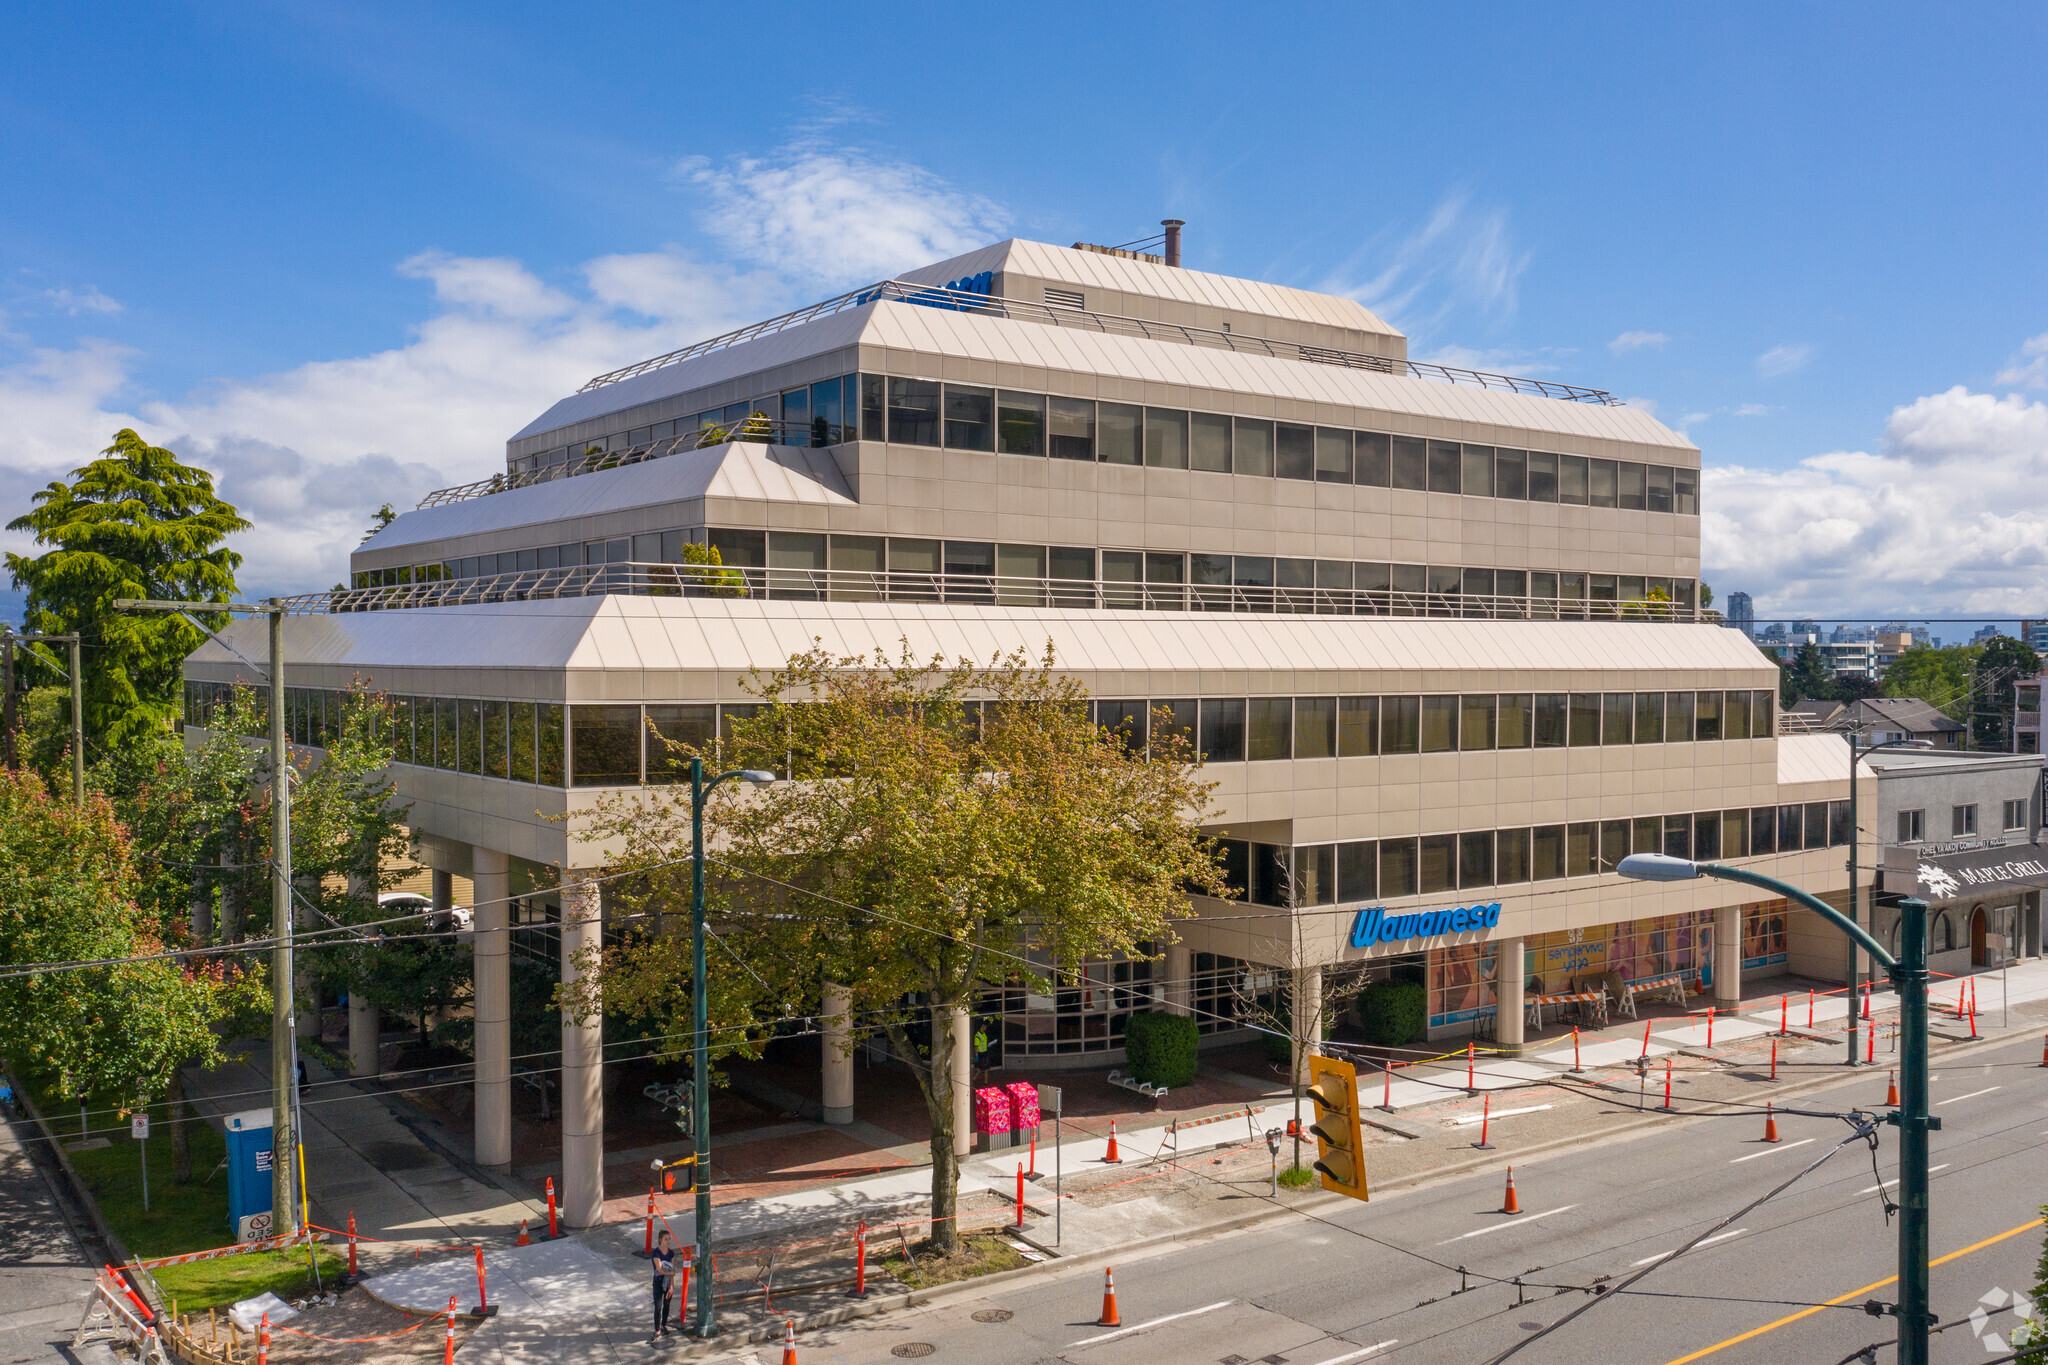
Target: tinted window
(1516,721)
(1166,438)
(1542,477)
(1706,715)
(1571,479)
(1512,861)
(1397,868)
(1629,487)
(1371,459)
(1602,483)
(1315,727)
(1553,710)
(1410,462)
(1735,715)
(1358,871)
(1252,446)
(1222,730)
(1445,467)
(1585,718)
(1510,474)
(1687,494)
(1789,836)
(1617,718)
(872,408)
(1209,442)
(1678,836)
(1294,454)
(606,745)
(1020,424)
(676,728)
(1660,488)
(1333,456)
(1614,844)
(1070,428)
(1706,836)
(1649,717)
(1358,726)
(1763,830)
(1400,724)
(1118,427)
(1477,478)
(1269,730)
(1582,849)
(970,418)
(1475,859)
(1838,823)
(1476,721)
(1678,717)
(1439,724)
(1547,852)
(1437,865)
(913,413)
(1761,722)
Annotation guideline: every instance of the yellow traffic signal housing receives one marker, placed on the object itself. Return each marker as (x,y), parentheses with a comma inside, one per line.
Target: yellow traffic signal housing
(1340,1142)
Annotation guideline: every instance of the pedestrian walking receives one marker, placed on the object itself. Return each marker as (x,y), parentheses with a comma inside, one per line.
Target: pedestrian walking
(664,1283)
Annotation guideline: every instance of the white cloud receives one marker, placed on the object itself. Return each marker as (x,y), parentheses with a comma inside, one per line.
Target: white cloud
(1692,417)
(2030,367)
(1753,410)
(1950,518)
(839,215)
(1637,341)
(310,452)
(87,300)
(1460,257)
(1783,360)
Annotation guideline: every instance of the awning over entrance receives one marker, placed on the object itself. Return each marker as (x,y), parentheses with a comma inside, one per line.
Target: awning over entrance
(1946,876)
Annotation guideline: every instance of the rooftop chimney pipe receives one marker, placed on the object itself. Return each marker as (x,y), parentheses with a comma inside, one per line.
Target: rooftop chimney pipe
(1173,227)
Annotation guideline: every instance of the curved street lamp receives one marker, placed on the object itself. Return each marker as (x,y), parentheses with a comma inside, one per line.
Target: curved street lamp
(1908,973)
(1856,755)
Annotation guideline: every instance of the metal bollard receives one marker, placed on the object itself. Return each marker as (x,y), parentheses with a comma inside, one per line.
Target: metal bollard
(263,1341)
(553,1231)
(448,1354)
(860,1261)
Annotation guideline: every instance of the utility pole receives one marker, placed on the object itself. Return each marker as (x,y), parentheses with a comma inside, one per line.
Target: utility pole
(285,1212)
(7,716)
(77,704)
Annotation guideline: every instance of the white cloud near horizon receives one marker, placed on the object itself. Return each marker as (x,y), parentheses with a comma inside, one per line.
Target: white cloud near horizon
(2029,368)
(309,453)
(1950,517)
(1638,341)
(1784,359)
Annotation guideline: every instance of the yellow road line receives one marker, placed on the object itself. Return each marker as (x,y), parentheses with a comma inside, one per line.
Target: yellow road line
(1845,1298)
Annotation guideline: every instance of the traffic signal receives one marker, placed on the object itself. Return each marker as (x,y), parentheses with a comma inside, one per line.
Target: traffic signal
(1340,1144)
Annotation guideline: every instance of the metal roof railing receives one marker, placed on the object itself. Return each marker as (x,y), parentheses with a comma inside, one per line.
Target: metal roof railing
(855,585)
(963,301)
(757,429)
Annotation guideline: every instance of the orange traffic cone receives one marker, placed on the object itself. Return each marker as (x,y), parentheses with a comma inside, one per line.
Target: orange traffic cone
(1511,1204)
(1770,1124)
(789,1341)
(1109,1317)
(1891,1090)
(523,1240)
(2044,1050)
(1110,1158)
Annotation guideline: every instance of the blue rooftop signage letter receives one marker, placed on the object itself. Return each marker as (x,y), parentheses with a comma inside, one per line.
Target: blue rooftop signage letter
(1374,925)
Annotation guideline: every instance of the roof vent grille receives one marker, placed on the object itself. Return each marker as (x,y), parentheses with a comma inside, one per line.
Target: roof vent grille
(1065,298)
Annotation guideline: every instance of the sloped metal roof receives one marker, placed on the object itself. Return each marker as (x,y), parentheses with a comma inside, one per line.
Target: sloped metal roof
(1182,654)
(774,473)
(1093,269)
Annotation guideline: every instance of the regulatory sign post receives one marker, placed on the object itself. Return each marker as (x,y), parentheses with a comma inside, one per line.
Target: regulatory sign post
(138,1128)
(1049,1101)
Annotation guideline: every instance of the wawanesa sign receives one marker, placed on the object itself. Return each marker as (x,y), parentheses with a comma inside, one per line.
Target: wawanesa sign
(1373,924)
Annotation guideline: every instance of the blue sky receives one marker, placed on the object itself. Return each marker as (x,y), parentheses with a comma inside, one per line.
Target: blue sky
(339,253)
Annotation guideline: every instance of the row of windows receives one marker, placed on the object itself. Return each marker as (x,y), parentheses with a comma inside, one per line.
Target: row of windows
(1962,821)
(622,745)
(1234,729)
(925,412)
(908,569)
(1432,864)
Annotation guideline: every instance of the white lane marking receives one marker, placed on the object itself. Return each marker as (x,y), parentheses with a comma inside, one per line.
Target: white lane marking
(1886,1184)
(1775,1147)
(1361,1354)
(1717,1237)
(1525,1109)
(1143,1326)
(1956,1099)
(1518,1221)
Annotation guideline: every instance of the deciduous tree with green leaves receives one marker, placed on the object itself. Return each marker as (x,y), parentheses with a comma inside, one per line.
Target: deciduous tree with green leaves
(137,522)
(944,818)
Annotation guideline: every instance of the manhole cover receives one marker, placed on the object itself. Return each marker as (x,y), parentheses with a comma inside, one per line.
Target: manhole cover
(994,1315)
(913,1350)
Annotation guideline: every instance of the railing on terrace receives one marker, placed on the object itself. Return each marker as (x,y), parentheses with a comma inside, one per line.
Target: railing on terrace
(758,430)
(993,305)
(848,585)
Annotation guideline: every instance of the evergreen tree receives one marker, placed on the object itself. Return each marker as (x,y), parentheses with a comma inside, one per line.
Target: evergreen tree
(135,523)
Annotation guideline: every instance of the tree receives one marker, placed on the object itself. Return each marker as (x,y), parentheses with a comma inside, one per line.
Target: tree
(2002,662)
(1939,677)
(945,817)
(1805,676)
(135,523)
(117,1032)
(379,519)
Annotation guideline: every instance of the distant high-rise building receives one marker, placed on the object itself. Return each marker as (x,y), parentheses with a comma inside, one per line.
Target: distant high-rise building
(2035,633)
(1985,634)
(1742,614)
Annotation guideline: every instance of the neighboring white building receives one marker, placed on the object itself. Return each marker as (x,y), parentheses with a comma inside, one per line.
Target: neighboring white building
(1435,630)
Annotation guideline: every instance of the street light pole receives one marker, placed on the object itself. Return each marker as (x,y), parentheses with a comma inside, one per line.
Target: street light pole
(700,1048)
(284,1042)
(77,703)
(1908,973)
(1857,755)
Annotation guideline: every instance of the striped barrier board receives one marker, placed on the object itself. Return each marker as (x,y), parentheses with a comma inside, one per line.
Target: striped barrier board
(262,1244)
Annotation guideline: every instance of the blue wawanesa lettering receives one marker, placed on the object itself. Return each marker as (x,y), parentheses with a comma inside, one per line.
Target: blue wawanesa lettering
(1373,924)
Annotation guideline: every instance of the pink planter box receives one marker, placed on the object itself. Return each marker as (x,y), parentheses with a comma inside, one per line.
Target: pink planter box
(1023,1104)
(992,1110)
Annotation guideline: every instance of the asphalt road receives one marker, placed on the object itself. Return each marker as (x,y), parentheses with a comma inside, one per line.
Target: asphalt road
(45,1276)
(1385,1274)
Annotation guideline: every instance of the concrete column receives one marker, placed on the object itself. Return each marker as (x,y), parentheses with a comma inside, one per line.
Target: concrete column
(838,1060)
(1509,1009)
(1180,971)
(444,889)
(492,959)
(1307,1017)
(1727,957)
(963,1081)
(582,1066)
(365,1020)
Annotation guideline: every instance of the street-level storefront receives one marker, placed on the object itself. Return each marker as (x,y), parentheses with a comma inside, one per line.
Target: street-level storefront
(1983,904)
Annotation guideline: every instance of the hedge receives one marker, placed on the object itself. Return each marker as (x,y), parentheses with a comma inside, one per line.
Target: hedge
(1394,1013)
(1161,1048)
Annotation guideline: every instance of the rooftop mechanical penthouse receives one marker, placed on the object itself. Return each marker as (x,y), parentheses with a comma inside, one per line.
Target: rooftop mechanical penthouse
(1438,634)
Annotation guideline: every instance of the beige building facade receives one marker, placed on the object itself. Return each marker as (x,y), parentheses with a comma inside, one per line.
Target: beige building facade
(1438,634)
